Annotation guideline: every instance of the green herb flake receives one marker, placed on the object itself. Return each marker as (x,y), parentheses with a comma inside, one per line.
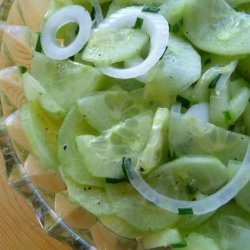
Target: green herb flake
(185,211)
(214,82)
(138,23)
(22,69)
(179,245)
(126,163)
(38,44)
(227,115)
(184,102)
(147,8)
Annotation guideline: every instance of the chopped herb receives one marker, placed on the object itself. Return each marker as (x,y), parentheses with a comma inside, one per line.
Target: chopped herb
(227,115)
(191,189)
(126,162)
(207,61)
(214,82)
(184,102)
(179,245)
(22,69)
(175,28)
(164,52)
(138,23)
(147,8)
(185,211)
(38,44)
(114,181)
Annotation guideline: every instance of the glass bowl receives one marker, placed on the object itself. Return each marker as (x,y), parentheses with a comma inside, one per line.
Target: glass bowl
(45,191)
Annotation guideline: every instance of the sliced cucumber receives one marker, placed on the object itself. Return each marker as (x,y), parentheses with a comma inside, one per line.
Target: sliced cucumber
(35,92)
(231,231)
(211,26)
(218,105)
(94,199)
(111,107)
(102,155)
(162,238)
(197,242)
(120,226)
(240,94)
(41,131)
(187,176)
(107,46)
(156,150)
(70,161)
(214,78)
(178,69)
(187,136)
(65,81)
(131,207)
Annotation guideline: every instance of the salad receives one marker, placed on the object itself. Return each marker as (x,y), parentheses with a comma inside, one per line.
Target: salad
(138,112)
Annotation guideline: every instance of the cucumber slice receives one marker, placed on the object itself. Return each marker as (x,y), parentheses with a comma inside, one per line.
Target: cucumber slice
(156,151)
(120,227)
(187,176)
(218,105)
(34,91)
(240,94)
(107,46)
(94,199)
(211,26)
(214,78)
(173,11)
(197,242)
(102,155)
(132,207)
(70,161)
(162,238)
(177,70)
(188,136)
(41,131)
(111,107)
(65,81)
(229,230)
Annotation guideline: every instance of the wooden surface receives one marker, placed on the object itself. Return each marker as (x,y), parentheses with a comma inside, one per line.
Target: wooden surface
(19,229)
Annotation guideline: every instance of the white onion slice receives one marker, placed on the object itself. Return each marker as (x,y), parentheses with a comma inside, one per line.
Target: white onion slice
(68,14)
(154,24)
(198,207)
(200,111)
(98,12)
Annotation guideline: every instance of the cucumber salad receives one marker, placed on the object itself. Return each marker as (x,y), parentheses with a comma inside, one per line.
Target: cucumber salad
(142,107)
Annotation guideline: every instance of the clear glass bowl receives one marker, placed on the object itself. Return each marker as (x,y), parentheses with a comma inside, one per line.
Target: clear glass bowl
(69,223)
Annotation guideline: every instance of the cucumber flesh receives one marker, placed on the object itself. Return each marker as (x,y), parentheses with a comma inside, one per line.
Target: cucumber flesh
(186,176)
(70,161)
(187,136)
(131,207)
(34,91)
(94,199)
(41,131)
(107,46)
(156,150)
(103,154)
(111,107)
(65,81)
